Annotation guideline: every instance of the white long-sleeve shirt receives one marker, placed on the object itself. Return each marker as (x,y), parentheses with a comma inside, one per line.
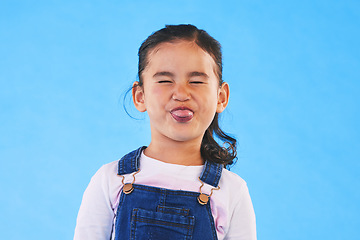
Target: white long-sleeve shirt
(231,205)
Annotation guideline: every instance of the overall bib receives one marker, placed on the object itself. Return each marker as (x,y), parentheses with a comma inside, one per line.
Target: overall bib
(146,212)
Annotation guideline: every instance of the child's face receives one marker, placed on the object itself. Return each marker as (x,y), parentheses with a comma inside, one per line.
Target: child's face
(180,92)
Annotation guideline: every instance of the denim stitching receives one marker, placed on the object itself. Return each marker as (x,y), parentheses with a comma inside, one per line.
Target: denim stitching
(168,192)
(159,222)
(217,176)
(191,228)
(120,166)
(214,177)
(134,159)
(133,224)
(220,168)
(211,218)
(206,171)
(133,163)
(129,163)
(183,211)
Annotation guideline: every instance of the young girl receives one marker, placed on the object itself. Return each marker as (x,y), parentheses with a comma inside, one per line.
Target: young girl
(178,187)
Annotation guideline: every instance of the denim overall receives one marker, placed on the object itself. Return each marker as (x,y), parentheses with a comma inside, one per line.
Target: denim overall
(157,213)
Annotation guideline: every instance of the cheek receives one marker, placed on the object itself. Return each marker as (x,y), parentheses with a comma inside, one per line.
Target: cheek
(157,92)
(209,107)
(212,99)
(154,97)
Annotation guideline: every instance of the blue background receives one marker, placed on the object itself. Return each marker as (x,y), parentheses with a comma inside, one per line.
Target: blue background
(293,69)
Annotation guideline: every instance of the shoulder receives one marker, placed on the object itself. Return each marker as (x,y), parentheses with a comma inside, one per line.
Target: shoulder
(231,179)
(107,175)
(105,178)
(233,187)
(104,174)
(107,170)
(105,183)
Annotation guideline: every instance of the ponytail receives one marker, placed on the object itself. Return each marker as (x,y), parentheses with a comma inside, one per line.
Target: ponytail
(210,148)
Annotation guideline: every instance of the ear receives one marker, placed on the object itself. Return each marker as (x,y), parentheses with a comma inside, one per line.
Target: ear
(138,97)
(223,97)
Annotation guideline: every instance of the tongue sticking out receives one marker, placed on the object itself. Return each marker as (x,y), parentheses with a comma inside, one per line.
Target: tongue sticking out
(182,115)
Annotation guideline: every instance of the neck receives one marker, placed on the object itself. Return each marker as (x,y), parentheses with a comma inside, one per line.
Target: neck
(182,153)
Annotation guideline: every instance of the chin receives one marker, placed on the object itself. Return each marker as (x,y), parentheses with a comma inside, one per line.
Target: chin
(183,138)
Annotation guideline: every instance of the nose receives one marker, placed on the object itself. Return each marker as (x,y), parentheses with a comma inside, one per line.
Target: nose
(181,93)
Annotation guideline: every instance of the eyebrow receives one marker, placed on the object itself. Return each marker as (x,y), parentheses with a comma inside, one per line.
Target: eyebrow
(166,74)
(170,74)
(198,74)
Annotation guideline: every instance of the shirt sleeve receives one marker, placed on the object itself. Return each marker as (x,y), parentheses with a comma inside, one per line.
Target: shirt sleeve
(242,223)
(95,217)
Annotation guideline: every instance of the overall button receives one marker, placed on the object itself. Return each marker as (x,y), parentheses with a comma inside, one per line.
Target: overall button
(128,188)
(203,199)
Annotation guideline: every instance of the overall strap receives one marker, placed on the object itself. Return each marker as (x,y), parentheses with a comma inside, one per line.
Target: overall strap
(211,173)
(130,162)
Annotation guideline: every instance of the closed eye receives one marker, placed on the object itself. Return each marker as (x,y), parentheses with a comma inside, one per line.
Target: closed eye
(197,82)
(164,81)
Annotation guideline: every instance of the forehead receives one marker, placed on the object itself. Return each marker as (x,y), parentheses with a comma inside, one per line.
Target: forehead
(176,44)
(181,53)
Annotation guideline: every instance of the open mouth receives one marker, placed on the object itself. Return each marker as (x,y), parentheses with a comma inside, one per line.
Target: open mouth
(182,114)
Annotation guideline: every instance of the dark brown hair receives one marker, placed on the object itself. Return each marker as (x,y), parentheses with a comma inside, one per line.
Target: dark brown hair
(210,148)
